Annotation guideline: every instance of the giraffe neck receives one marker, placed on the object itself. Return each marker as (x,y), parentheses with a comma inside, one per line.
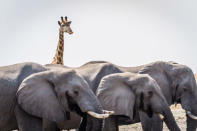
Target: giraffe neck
(58,59)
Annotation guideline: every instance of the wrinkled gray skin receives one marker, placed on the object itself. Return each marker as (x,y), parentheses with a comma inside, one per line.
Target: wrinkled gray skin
(175,80)
(92,72)
(43,93)
(51,94)
(127,93)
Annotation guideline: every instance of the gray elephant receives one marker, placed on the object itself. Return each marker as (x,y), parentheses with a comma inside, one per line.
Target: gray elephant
(44,93)
(128,93)
(178,85)
(92,72)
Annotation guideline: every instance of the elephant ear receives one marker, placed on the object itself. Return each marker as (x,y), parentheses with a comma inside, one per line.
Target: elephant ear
(37,97)
(114,94)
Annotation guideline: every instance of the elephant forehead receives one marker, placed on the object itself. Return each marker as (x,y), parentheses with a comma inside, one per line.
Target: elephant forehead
(185,79)
(77,81)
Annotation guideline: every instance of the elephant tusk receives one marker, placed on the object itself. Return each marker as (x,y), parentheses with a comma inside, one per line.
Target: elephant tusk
(161,116)
(99,116)
(191,115)
(108,112)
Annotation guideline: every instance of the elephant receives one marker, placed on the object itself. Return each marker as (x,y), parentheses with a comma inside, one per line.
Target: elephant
(92,72)
(177,84)
(128,93)
(52,93)
(31,93)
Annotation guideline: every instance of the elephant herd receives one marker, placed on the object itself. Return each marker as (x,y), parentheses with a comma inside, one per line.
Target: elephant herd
(97,96)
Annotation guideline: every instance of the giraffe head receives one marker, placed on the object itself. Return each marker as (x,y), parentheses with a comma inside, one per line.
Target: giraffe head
(65,25)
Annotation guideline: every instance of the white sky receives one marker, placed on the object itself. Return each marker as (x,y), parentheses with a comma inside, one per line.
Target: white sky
(124,32)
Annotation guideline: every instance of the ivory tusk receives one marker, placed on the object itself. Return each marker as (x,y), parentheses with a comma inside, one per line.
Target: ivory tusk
(161,116)
(99,116)
(191,115)
(108,112)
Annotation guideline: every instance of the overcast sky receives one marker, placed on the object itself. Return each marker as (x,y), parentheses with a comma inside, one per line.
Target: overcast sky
(124,32)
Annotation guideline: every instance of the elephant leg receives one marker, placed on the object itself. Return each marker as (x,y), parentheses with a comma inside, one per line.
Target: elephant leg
(145,121)
(50,126)
(111,124)
(27,122)
(157,123)
(94,124)
(150,124)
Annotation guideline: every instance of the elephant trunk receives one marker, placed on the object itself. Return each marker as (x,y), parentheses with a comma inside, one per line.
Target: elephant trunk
(169,119)
(191,124)
(91,106)
(93,123)
(191,121)
(191,112)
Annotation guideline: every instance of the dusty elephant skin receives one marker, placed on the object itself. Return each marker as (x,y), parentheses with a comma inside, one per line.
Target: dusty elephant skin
(51,94)
(92,72)
(128,93)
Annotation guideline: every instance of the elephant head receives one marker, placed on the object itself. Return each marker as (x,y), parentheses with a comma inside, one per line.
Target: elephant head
(185,92)
(51,94)
(178,85)
(126,93)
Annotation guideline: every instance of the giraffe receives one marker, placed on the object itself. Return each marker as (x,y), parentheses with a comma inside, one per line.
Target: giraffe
(64,27)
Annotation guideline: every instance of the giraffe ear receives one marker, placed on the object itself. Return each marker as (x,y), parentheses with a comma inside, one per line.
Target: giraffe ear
(62,18)
(59,23)
(69,22)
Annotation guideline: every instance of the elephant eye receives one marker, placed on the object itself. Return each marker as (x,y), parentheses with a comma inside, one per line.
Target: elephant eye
(185,89)
(76,92)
